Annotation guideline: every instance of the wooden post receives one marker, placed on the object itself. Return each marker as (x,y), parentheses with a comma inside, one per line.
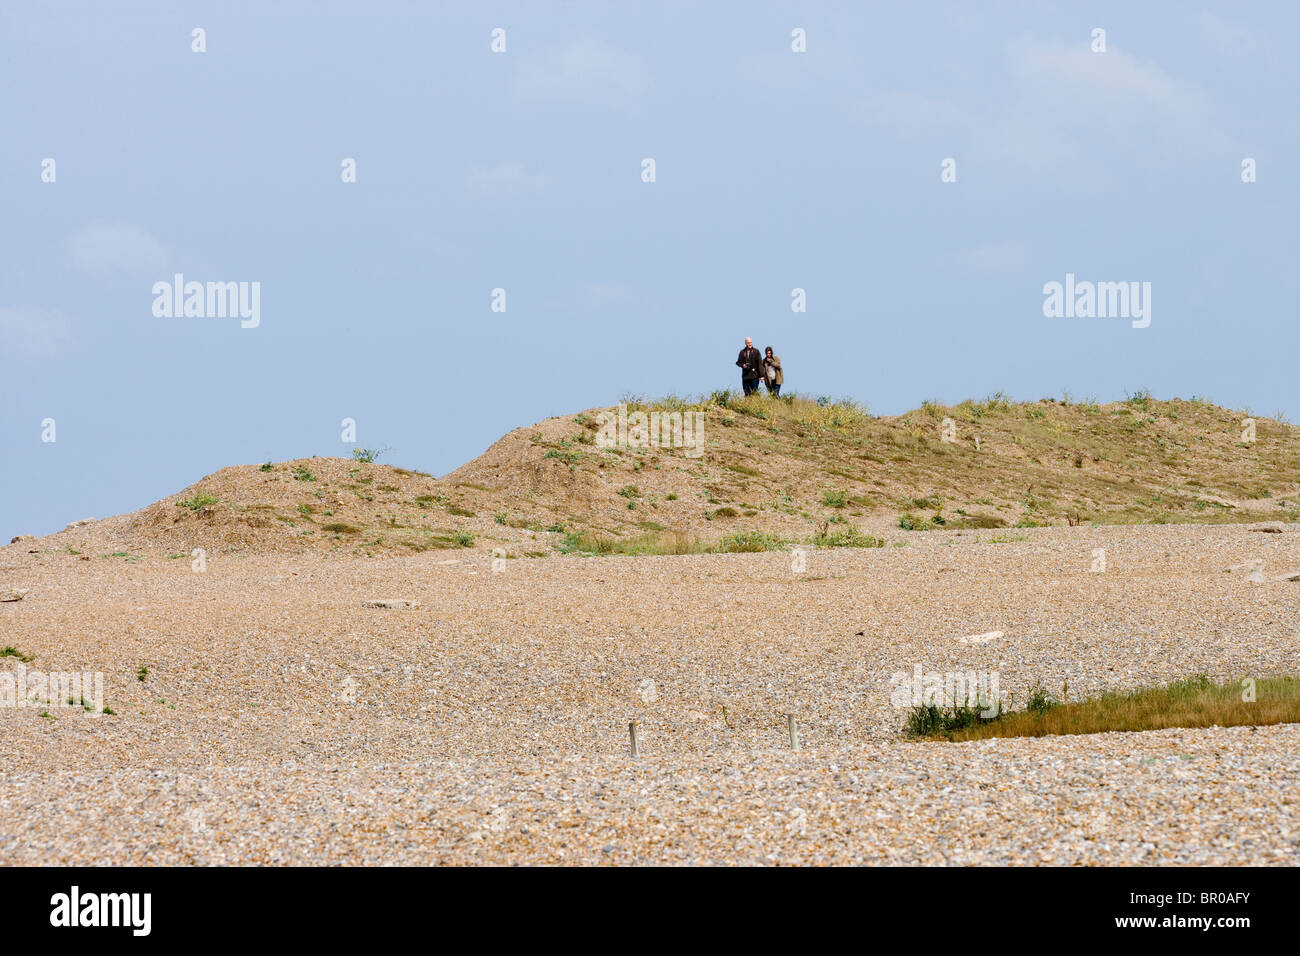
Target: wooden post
(792,727)
(631,730)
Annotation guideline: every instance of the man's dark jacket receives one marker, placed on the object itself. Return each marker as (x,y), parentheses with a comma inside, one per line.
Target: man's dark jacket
(750,362)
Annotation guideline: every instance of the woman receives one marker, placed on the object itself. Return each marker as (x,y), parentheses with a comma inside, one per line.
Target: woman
(772,374)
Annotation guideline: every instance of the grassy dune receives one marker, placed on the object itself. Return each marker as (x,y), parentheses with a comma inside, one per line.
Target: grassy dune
(770,473)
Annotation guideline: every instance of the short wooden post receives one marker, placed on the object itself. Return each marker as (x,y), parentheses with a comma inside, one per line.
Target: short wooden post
(631,730)
(792,727)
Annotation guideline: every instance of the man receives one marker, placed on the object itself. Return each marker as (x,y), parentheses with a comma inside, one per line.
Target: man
(751,365)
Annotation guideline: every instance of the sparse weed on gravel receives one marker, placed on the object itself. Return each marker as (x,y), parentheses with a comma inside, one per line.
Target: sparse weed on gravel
(932,721)
(368,455)
(198,502)
(663,541)
(748,541)
(1039,702)
(130,558)
(569,458)
(846,538)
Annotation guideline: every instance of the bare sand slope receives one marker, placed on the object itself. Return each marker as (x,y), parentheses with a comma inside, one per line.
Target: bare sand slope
(281,721)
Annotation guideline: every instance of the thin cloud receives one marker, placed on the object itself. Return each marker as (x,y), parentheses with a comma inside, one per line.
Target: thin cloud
(994,259)
(782,69)
(34,332)
(118,249)
(915,113)
(600,296)
(1059,96)
(587,70)
(1073,77)
(1230,38)
(505,176)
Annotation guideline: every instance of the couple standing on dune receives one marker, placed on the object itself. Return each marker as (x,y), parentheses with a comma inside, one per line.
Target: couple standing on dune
(755,368)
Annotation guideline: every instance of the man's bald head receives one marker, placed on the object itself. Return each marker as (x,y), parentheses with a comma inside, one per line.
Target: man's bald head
(749,343)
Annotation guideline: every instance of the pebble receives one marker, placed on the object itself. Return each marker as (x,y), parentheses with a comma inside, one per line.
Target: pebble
(300,728)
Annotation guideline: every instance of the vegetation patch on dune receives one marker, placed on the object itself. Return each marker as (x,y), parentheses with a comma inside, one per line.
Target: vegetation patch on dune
(1024,464)
(198,502)
(650,542)
(668,542)
(846,538)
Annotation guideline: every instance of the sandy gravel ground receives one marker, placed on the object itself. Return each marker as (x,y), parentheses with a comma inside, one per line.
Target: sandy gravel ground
(281,721)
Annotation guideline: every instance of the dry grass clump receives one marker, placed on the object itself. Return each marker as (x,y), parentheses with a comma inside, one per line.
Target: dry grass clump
(668,542)
(823,412)
(1194,702)
(846,538)
(677,542)
(744,542)
(649,542)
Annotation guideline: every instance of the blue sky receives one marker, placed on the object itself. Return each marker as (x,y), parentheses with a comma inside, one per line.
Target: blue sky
(521,170)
